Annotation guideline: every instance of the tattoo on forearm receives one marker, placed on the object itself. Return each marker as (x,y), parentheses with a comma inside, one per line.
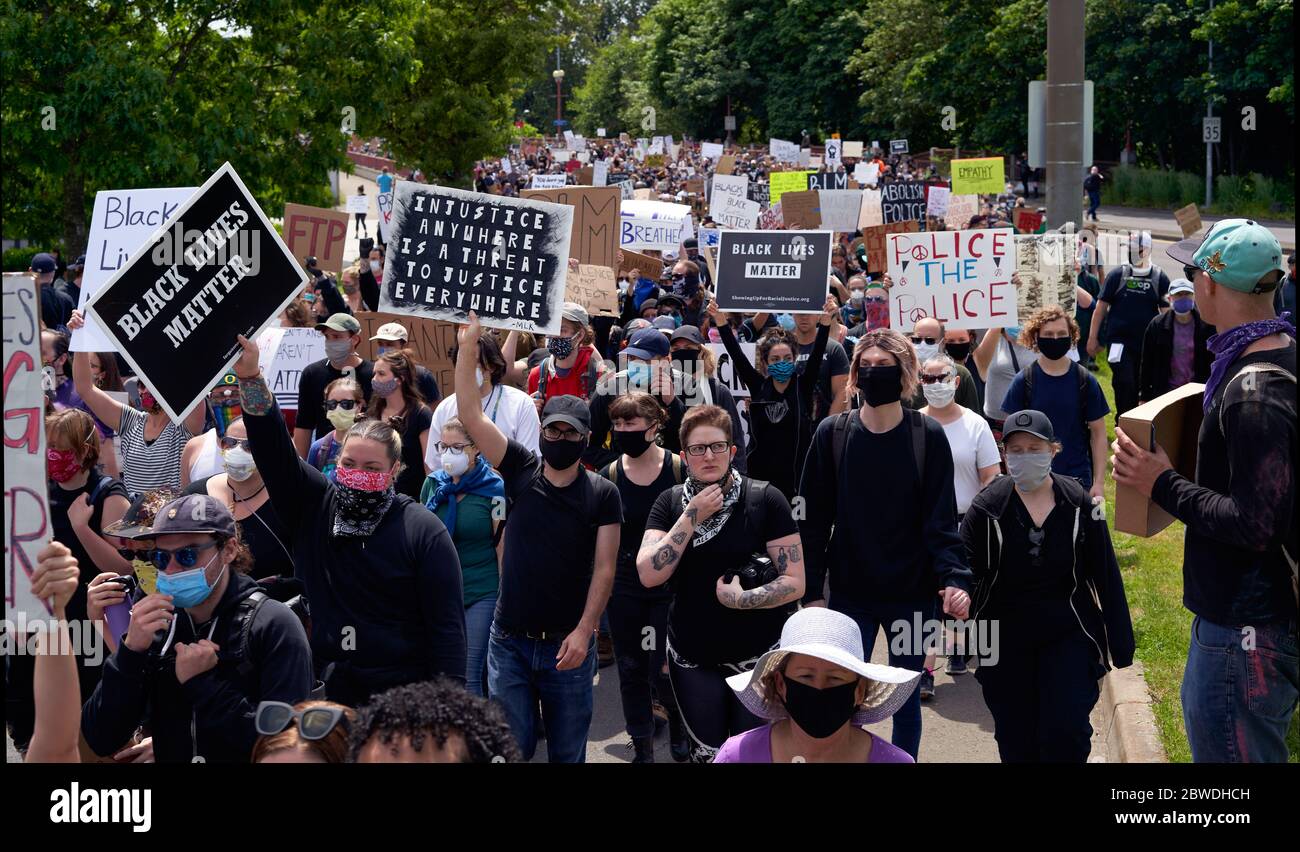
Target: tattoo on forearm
(664,557)
(255,397)
(773,594)
(691,515)
(787,555)
(679,538)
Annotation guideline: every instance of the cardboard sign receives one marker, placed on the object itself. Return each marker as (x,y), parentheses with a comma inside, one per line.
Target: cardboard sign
(26,508)
(963,278)
(773,271)
(936,202)
(852,149)
(218,270)
(121,221)
(358,204)
(658,225)
(901,201)
(726,372)
(455,251)
(726,165)
(1188,218)
(876,240)
(711,150)
(283,354)
(1045,263)
(979,176)
(783,151)
(642,195)
(645,265)
(595,220)
(432,340)
(828,180)
(840,208)
(802,209)
(782,182)
(833,155)
(1027,221)
(695,186)
(730,204)
(545,181)
(385,202)
(961,209)
(1172,420)
(870,215)
(594,288)
(316,231)
(898,146)
(584,176)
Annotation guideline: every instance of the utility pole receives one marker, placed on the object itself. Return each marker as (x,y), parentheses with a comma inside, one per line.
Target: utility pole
(1064,109)
(1209,113)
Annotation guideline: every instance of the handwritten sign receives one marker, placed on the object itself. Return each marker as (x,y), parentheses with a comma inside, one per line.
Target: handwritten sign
(730,204)
(962,278)
(783,182)
(1045,263)
(385,202)
(961,209)
(870,215)
(594,288)
(876,238)
(1189,219)
(783,151)
(840,208)
(726,165)
(545,181)
(358,204)
(936,202)
(901,201)
(315,231)
(711,150)
(432,341)
(852,149)
(802,209)
(595,220)
(283,354)
(979,176)
(645,265)
(1027,221)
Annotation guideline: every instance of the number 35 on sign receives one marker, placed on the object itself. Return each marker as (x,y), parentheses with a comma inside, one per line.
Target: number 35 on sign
(962,278)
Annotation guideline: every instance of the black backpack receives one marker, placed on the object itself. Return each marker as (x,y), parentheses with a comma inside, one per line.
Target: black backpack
(840,437)
(1082,376)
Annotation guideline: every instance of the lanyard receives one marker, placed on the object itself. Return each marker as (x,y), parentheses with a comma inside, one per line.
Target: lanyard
(497,392)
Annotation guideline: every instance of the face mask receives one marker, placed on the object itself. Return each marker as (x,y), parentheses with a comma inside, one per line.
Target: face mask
(188,588)
(1184,306)
(781,371)
(1029,469)
(380,351)
(633,443)
(881,385)
(385,388)
(560,347)
(239,464)
(687,358)
(959,352)
(309,297)
(926,351)
(148,401)
(356,479)
(786,321)
(856,296)
(562,455)
(1014,333)
(61,464)
(338,350)
(478,376)
(455,462)
(374,267)
(820,712)
(638,373)
(340,419)
(939,395)
(1054,347)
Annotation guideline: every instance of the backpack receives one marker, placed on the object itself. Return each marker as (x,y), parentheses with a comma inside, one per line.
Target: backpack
(840,437)
(588,379)
(610,470)
(242,625)
(1082,376)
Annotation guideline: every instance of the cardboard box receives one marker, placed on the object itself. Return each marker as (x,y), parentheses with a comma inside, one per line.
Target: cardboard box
(1174,422)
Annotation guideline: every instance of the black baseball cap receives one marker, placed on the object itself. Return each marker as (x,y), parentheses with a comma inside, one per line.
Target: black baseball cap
(687,332)
(569,409)
(1031,422)
(671,299)
(193,513)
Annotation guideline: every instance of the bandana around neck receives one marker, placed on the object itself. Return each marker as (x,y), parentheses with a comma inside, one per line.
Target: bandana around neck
(730,497)
(1228,345)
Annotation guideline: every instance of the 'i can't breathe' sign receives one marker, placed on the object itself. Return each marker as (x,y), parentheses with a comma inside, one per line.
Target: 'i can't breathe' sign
(962,278)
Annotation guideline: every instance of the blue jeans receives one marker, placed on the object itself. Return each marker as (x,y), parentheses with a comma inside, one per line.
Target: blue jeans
(1094,201)
(870,618)
(521,671)
(1239,691)
(478,625)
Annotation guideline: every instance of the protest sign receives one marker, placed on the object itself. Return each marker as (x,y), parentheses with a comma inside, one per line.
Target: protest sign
(645,265)
(866,174)
(726,371)
(358,204)
(708,237)
(1027,221)
(802,209)
(26,510)
(901,201)
(431,340)
(770,219)
(783,182)
(568,139)
(657,146)
(594,288)
(384,201)
(600,173)
(1189,219)
(122,219)
(805,157)
(726,165)
(876,239)
(979,176)
(455,251)
(656,161)
(506,166)
(659,225)
(852,150)
(760,193)
(783,151)
(828,180)
(584,175)
(730,205)
(624,188)
(283,353)
(833,149)
(840,208)
(962,278)
(898,146)
(936,201)
(814,161)
(315,231)
(1045,263)
(643,194)
(595,220)
(773,270)
(545,181)
(695,185)
(870,214)
(217,270)
(711,150)
(600,132)
(961,209)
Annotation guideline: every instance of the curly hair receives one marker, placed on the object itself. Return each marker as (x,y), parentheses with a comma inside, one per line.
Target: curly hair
(434,711)
(1041,317)
(772,338)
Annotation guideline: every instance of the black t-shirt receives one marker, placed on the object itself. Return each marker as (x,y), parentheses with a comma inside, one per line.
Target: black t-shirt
(1037,595)
(637,502)
(311,393)
(428,385)
(702,630)
(268,541)
(61,528)
(550,543)
(411,479)
(834,363)
(1133,302)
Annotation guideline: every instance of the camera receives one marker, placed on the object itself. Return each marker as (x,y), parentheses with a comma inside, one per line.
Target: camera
(759,571)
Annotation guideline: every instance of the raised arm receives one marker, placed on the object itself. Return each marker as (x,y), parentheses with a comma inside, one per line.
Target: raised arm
(752,378)
(56,690)
(103,406)
(482,431)
(987,349)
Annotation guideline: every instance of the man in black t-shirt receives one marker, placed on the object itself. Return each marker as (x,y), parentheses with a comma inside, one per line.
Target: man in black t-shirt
(561,544)
(342,337)
(1239,557)
(832,377)
(1132,295)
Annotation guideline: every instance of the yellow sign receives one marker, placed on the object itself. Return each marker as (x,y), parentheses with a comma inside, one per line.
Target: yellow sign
(783,182)
(982,176)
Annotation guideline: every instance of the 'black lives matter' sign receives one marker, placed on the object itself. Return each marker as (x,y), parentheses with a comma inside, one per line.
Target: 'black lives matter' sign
(902,201)
(828,180)
(452,252)
(217,270)
(785,271)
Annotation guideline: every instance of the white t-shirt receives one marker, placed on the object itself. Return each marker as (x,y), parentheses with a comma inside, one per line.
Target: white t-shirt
(509,408)
(973,447)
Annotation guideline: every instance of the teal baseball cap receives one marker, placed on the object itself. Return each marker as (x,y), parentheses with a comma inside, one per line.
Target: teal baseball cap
(1239,254)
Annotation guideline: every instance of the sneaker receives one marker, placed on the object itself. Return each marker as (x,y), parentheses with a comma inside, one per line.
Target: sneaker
(956,665)
(927,685)
(604,649)
(643,748)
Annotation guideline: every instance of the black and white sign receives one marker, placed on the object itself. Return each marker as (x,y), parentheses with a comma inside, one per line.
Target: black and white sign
(217,270)
(783,271)
(759,192)
(828,180)
(898,146)
(453,252)
(902,201)
(834,149)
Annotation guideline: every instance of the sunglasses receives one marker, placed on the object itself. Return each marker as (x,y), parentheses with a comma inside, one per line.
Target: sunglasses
(314,723)
(927,379)
(930,340)
(186,557)
(1189,272)
(345,404)
(229,443)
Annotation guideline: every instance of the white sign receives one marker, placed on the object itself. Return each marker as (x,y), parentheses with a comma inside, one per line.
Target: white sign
(805,157)
(26,506)
(600,132)
(568,139)
(872,213)
(840,208)
(123,219)
(545,181)
(783,151)
(358,204)
(962,278)
(284,354)
(1212,129)
(936,203)
(658,225)
(728,122)
(507,166)
(385,202)
(730,204)
(625,190)
(600,173)
(709,237)
(711,150)
(852,150)
(833,152)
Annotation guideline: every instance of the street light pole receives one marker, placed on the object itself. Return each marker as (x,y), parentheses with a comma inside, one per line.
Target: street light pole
(1063,142)
(1209,113)
(558,74)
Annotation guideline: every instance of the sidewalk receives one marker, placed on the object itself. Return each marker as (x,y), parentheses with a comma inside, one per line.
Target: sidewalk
(1162,225)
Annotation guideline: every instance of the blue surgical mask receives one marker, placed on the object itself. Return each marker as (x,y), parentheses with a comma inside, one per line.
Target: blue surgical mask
(786,321)
(188,588)
(1013,332)
(638,373)
(781,371)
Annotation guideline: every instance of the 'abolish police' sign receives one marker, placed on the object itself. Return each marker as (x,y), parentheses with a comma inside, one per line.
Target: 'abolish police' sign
(452,252)
(783,271)
(217,270)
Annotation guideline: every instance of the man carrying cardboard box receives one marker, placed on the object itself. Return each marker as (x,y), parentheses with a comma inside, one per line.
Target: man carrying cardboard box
(1239,568)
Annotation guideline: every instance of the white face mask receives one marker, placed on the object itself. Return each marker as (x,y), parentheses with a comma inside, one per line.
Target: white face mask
(374,267)
(455,462)
(940,394)
(239,464)
(926,351)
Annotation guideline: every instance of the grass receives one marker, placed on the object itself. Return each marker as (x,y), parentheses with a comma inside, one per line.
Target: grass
(1254,196)
(1153,581)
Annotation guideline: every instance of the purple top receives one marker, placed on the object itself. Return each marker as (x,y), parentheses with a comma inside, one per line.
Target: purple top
(1181,362)
(66,396)
(756,747)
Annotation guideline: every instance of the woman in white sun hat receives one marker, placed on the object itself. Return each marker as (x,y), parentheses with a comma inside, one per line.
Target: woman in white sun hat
(817,693)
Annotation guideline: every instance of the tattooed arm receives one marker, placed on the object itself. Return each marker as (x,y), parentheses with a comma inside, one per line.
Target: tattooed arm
(787,555)
(661,551)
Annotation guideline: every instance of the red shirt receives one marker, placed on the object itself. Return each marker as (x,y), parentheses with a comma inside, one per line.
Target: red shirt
(572,383)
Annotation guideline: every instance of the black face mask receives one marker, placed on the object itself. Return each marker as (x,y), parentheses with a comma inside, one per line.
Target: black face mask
(881,385)
(820,712)
(1054,347)
(958,352)
(632,443)
(562,455)
(686,358)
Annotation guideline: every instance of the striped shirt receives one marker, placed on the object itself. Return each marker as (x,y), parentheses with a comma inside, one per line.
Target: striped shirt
(147,465)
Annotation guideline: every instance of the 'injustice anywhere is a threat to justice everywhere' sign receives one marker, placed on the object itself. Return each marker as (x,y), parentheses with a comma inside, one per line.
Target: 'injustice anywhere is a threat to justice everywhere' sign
(453,252)
(773,270)
(218,269)
(963,278)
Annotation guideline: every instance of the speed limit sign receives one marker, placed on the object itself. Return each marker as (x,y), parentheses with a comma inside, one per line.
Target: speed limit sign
(1211,129)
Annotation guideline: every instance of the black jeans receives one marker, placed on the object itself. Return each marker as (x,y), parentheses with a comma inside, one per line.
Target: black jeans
(710,709)
(1124,377)
(638,623)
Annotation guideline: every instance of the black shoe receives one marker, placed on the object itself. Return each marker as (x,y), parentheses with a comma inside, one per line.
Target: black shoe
(644,748)
(956,665)
(927,685)
(679,743)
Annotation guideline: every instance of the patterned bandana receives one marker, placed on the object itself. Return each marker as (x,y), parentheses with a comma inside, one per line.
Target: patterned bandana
(363,497)
(1228,345)
(713,525)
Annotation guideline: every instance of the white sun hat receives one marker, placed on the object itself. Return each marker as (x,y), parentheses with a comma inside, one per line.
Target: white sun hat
(833,637)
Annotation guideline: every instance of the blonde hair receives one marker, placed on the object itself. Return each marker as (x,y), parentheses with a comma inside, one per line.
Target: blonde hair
(893,342)
(74,429)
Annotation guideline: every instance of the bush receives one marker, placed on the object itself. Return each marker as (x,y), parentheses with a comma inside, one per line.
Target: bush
(20,259)
(1253,195)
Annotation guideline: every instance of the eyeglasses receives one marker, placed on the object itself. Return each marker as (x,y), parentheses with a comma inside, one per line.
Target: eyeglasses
(717,448)
(229,443)
(314,723)
(927,379)
(345,404)
(456,448)
(917,340)
(553,434)
(186,556)
(1036,537)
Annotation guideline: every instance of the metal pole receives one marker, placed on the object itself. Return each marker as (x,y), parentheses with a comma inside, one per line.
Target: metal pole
(1064,110)
(1209,146)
